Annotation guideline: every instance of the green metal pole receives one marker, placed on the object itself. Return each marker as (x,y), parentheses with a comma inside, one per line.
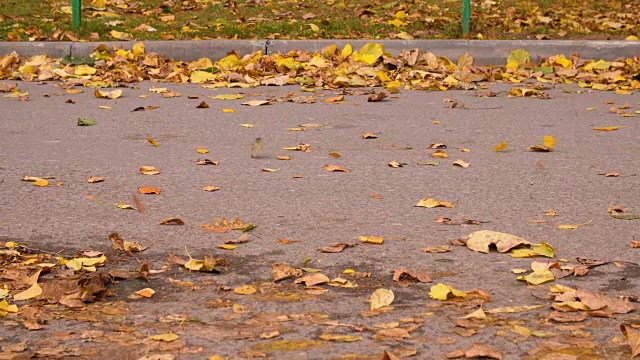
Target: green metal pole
(77,16)
(466,16)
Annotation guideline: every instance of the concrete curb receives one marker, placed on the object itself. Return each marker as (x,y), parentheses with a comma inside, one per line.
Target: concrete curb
(485,52)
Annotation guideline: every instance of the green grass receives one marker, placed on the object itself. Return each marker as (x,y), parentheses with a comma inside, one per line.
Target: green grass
(426,19)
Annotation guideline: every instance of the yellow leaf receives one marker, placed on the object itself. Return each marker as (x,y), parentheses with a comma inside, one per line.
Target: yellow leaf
(549,141)
(607,128)
(538,277)
(74,91)
(372,239)
(104,107)
(137,50)
(503,145)
(227,246)
(632,38)
(198,77)
(202,150)
(573,227)
(153,142)
(431,203)
(30,293)
(441,291)
(520,330)
(121,35)
(229,96)
(369,53)
(149,170)
(342,338)
(542,249)
(104,94)
(518,57)
(4,306)
(346,50)
(82,70)
(314,28)
(381,298)
(164,337)
(244,290)
(146,292)
(481,240)
(562,61)
(247,125)
(228,110)
(513,309)
(210,188)
(478,314)
(41,182)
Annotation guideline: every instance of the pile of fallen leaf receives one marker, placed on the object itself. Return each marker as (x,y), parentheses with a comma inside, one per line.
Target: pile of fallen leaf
(331,68)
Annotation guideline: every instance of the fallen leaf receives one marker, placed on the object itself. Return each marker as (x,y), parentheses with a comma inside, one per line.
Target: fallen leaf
(461,163)
(283,271)
(202,105)
(86,122)
(440,154)
(436,249)
(481,240)
(513,309)
(103,94)
(441,291)
(256,102)
(95,179)
(33,291)
(269,170)
(548,141)
(538,277)
(634,244)
(227,110)
(247,125)
(431,203)
(335,247)
(633,338)
(172,221)
(312,279)
(149,170)
(168,337)
(148,190)
(334,99)
(146,292)
(379,96)
(210,188)
(394,164)
(482,351)
(335,168)
(244,290)
(206,162)
(607,128)
(227,246)
(372,239)
(381,298)
(369,135)
(335,155)
(340,338)
(41,182)
(284,157)
(229,96)
(502,146)
(573,227)
(153,142)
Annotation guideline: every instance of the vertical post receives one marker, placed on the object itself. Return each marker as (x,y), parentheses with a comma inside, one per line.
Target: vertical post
(466,16)
(76,10)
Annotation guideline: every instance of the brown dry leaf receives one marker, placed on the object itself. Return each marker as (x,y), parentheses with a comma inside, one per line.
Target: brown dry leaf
(95,179)
(210,188)
(152,141)
(436,249)
(437,146)
(334,99)
(369,135)
(405,276)
(269,170)
(563,317)
(148,190)
(377,97)
(461,163)
(335,168)
(335,155)
(431,203)
(284,157)
(634,244)
(335,247)
(633,338)
(149,170)
(202,105)
(117,243)
(206,162)
(312,279)
(394,164)
(172,221)
(481,240)
(482,351)
(283,271)
(548,141)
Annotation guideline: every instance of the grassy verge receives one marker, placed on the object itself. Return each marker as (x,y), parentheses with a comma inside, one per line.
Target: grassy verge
(28,20)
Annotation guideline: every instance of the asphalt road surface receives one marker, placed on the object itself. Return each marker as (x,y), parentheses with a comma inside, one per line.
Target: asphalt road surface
(507,191)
